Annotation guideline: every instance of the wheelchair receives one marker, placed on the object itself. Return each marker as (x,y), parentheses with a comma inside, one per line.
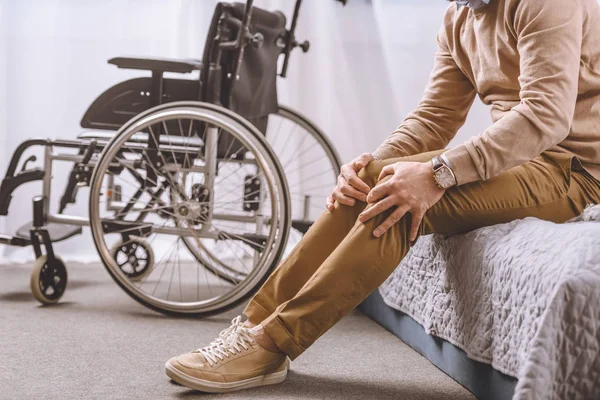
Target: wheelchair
(195,185)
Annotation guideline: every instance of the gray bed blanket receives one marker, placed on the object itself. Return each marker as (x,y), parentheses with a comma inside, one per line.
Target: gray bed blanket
(522,296)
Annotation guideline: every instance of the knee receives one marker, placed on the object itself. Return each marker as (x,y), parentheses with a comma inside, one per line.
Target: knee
(370,173)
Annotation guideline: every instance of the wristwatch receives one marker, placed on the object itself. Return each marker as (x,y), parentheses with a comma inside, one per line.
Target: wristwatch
(442,174)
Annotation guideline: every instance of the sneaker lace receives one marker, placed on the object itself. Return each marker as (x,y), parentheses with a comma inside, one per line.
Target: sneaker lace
(236,322)
(231,341)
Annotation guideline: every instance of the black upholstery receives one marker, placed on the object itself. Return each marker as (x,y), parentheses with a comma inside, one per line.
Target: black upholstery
(254,94)
(157,64)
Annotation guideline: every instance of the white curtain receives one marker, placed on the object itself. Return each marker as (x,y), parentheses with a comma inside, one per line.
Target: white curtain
(366,69)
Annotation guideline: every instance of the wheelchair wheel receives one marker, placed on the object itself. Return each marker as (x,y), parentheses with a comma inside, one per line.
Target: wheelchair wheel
(229,208)
(134,257)
(48,280)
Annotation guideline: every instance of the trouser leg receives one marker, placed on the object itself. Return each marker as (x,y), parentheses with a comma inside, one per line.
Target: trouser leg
(355,266)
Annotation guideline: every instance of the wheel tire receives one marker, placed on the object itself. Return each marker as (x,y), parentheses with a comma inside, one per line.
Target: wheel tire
(42,271)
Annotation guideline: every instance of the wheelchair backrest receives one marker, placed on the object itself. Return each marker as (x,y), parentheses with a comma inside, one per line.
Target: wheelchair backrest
(254,94)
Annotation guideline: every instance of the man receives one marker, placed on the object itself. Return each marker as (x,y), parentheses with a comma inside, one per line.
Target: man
(537,63)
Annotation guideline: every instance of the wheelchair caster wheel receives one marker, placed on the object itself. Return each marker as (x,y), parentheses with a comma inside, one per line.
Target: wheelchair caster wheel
(48,279)
(134,257)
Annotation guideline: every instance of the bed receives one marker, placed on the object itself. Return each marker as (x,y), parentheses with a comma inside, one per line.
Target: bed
(508,311)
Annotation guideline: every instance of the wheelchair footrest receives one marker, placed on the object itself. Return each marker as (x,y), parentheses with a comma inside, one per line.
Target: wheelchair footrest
(14,241)
(56,231)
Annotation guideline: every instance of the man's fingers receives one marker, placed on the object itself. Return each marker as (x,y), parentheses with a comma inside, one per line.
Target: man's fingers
(378,192)
(357,183)
(376,209)
(346,200)
(362,161)
(329,203)
(351,192)
(349,172)
(417,218)
(390,221)
(350,177)
(387,170)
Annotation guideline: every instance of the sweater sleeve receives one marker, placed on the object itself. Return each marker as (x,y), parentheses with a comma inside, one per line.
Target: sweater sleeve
(549,39)
(441,112)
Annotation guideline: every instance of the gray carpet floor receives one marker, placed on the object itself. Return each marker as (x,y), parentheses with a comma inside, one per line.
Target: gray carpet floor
(99,344)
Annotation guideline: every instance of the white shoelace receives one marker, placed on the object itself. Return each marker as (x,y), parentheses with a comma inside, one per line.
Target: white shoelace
(237,321)
(231,341)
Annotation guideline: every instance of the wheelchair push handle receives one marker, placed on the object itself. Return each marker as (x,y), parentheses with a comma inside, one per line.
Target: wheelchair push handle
(290,39)
(243,37)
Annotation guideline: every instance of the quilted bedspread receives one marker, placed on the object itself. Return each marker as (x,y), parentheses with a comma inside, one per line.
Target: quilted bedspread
(522,296)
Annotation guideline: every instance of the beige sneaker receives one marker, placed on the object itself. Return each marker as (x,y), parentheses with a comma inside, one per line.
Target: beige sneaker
(231,362)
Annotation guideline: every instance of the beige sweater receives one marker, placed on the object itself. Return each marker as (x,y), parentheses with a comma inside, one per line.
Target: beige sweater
(536,62)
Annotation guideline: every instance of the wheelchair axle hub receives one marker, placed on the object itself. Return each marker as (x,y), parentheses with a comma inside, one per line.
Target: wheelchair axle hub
(193,213)
(183,211)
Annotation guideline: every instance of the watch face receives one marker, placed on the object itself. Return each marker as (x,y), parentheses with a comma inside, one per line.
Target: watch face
(444,177)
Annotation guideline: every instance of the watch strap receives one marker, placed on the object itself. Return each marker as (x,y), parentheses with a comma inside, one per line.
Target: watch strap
(445,160)
(437,163)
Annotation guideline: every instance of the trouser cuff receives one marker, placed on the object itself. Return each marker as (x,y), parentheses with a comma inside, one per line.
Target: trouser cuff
(255,312)
(282,337)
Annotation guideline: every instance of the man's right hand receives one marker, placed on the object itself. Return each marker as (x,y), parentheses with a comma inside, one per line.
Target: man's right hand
(349,186)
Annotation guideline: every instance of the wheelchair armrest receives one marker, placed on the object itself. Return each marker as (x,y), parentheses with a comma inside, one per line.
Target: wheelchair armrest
(157,64)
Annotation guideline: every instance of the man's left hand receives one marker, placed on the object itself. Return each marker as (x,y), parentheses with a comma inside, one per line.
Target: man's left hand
(411,188)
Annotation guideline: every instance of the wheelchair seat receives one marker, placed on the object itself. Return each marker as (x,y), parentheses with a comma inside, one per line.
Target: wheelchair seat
(182,66)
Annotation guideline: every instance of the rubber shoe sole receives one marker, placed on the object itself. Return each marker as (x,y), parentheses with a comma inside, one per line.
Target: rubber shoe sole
(223,387)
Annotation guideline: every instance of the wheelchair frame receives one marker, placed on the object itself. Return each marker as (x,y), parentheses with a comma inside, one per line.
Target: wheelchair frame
(107,113)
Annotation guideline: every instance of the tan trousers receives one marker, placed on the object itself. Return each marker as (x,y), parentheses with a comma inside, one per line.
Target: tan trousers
(339,262)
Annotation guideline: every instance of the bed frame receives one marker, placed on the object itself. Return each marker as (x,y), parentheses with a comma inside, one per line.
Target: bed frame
(479,378)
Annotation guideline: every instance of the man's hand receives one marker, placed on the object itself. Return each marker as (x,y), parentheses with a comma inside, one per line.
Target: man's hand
(410,189)
(349,186)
